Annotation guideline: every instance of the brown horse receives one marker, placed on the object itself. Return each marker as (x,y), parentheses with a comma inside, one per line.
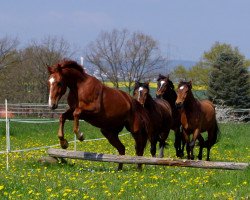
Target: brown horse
(160,115)
(196,118)
(109,109)
(165,90)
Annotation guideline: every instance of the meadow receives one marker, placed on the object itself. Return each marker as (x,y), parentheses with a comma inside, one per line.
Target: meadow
(29,179)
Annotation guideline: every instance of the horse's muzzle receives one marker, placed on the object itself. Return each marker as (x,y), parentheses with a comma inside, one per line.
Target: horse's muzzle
(179,105)
(53,106)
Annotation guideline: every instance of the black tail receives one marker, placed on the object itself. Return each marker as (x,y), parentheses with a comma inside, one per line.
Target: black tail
(216,133)
(216,136)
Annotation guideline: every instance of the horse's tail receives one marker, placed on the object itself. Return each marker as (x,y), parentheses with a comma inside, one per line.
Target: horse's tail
(215,135)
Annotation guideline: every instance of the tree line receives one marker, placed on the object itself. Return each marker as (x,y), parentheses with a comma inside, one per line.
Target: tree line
(120,56)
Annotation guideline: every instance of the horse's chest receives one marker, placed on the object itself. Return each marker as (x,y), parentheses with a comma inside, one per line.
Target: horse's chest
(189,123)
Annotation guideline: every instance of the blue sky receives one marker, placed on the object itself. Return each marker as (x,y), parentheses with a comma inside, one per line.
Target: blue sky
(184,29)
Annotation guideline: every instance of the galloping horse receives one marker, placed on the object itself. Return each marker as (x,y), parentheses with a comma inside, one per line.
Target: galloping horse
(160,115)
(165,90)
(196,117)
(108,109)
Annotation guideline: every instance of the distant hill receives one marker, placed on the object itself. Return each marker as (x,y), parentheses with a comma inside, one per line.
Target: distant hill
(172,64)
(186,63)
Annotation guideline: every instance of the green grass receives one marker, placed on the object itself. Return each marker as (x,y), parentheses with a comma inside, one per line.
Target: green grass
(28,179)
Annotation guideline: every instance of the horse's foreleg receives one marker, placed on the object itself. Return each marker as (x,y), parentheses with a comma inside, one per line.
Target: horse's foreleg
(186,137)
(201,143)
(67,115)
(163,138)
(179,150)
(76,115)
(192,143)
(153,142)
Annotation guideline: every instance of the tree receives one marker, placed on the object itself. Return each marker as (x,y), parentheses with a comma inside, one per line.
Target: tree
(122,56)
(180,73)
(229,79)
(26,81)
(199,74)
(8,51)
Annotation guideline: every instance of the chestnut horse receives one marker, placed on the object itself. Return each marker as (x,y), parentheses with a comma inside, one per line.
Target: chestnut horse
(165,90)
(196,118)
(108,109)
(160,115)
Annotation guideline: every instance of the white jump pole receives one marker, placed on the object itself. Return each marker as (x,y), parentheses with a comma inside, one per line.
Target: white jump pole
(7,135)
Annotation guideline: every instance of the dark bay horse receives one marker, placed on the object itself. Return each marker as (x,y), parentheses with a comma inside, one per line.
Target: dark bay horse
(196,117)
(165,90)
(160,115)
(108,109)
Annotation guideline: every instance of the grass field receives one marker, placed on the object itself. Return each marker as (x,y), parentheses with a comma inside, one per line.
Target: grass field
(29,179)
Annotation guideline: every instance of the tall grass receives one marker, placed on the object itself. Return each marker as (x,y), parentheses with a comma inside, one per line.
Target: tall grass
(29,179)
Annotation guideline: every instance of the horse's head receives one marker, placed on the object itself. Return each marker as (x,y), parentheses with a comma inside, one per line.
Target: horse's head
(57,86)
(183,92)
(163,84)
(141,91)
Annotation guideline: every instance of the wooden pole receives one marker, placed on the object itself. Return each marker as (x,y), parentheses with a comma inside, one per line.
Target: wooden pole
(61,153)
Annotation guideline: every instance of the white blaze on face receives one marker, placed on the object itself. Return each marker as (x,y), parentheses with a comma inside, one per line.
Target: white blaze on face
(51,81)
(162,83)
(139,95)
(182,87)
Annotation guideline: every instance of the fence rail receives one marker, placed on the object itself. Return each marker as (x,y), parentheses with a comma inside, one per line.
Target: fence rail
(34,110)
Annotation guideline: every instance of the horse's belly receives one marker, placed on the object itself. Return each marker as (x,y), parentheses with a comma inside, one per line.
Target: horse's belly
(103,122)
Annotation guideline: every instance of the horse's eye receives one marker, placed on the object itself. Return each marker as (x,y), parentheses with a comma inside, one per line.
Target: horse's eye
(59,84)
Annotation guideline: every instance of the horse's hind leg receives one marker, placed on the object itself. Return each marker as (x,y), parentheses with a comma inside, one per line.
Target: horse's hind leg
(66,115)
(114,140)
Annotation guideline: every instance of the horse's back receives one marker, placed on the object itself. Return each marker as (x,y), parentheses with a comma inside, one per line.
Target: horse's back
(209,115)
(116,101)
(164,106)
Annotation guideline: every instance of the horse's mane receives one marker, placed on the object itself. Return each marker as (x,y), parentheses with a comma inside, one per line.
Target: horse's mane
(71,64)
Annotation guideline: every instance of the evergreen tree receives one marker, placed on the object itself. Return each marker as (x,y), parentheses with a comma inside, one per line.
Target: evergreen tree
(229,80)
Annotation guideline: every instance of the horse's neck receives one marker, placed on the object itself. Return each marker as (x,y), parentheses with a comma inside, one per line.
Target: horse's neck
(170,96)
(191,102)
(74,77)
(149,103)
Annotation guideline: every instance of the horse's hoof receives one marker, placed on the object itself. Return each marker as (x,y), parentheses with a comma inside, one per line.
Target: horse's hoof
(120,165)
(64,144)
(81,137)
(180,154)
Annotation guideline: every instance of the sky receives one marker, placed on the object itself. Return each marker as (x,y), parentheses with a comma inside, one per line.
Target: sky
(185,29)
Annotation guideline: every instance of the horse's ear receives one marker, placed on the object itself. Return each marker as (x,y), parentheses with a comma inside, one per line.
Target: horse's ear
(50,69)
(137,84)
(190,84)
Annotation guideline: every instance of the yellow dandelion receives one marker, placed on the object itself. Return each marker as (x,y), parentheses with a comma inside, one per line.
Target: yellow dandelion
(1,187)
